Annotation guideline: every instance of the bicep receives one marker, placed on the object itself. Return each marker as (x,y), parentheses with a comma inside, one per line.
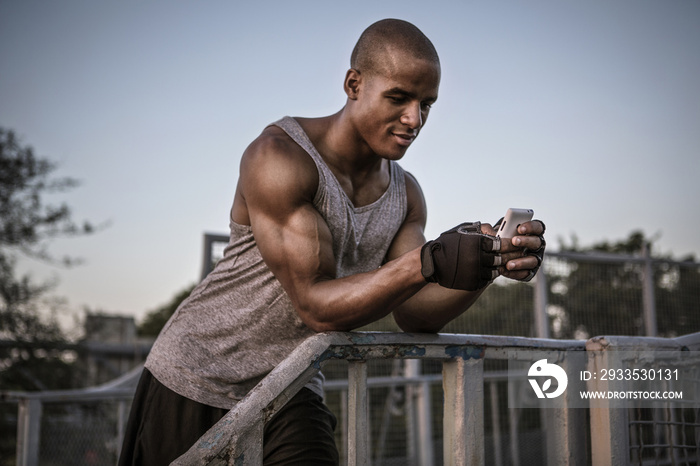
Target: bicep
(292,237)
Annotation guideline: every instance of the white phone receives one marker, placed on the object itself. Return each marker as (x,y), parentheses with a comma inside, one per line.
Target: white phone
(513,218)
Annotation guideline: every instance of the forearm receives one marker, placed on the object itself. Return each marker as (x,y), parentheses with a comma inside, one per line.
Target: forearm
(350,302)
(429,310)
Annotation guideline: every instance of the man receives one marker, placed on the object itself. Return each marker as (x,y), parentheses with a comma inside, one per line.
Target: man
(326,235)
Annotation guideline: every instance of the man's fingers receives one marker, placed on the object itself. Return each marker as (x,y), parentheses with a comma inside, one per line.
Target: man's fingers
(533,227)
(522,263)
(491,243)
(517,274)
(488,229)
(492,260)
(530,242)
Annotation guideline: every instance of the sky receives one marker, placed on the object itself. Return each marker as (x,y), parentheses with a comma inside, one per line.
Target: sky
(587,112)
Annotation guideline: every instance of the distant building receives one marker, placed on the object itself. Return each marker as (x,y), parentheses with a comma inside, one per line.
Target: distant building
(111,347)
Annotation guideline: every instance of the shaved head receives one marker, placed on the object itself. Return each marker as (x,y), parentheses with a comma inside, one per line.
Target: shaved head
(378,40)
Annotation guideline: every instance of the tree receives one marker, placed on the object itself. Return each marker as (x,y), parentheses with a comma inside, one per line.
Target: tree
(32,349)
(607,298)
(156,319)
(589,297)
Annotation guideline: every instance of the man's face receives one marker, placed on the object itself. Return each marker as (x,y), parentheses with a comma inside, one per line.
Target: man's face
(393,104)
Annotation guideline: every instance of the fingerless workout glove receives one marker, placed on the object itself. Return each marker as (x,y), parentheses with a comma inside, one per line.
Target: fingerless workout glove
(462,258)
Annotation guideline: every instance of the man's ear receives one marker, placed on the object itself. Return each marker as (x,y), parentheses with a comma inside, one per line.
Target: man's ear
(352,83)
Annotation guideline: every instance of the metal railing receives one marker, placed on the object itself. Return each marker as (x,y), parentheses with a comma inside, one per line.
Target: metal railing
(31,423)
(669,433)
(237,438)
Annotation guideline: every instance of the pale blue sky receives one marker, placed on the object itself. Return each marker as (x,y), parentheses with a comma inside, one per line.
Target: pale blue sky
(587,112)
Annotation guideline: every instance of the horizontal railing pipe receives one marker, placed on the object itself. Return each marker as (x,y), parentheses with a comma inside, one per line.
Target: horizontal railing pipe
(228,441)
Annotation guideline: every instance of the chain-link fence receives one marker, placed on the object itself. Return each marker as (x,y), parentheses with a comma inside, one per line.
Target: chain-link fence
(512,436)
(588,295)
(585,295)
(67,427)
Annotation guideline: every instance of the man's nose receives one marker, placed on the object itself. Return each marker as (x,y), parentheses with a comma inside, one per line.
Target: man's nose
(412,116)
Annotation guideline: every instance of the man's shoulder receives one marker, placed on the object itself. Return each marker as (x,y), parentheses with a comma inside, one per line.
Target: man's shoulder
(273,157)
(274,146)
(413,188)
(417,209)
(273,140)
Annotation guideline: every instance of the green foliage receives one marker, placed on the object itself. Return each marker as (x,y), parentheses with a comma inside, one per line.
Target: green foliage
(26,222)
(588,297)
(505,308)
(607,298)
(32,354)
(154,321)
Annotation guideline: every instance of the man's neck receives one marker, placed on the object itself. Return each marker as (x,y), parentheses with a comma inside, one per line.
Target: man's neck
(336,140)
(363,175)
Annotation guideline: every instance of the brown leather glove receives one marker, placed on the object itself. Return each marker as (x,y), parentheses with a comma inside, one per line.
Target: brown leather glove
(462,258)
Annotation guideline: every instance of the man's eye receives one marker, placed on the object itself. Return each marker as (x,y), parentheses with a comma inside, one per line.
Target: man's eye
(396,99)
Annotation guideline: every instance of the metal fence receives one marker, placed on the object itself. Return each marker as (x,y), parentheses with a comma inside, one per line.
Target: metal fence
(237,438)
(453,415)
(667,433)
(575,296)
(69,427)
(612,437)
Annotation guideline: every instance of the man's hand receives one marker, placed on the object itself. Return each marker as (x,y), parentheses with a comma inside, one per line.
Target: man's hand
(470,256)
(523,255)
(463,258)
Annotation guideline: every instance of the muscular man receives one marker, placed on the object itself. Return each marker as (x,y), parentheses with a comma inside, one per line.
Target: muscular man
(326,234)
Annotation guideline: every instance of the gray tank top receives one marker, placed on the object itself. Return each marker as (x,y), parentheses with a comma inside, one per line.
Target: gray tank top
(239,323)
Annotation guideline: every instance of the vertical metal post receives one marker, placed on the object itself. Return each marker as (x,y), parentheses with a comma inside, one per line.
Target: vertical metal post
(648,294)
(463,420)
(206,257)
(540,307)
(566,437)
(610,437)
(28,431)
(122,418)
(412,435)
(496,423)
(421,424)
(513,418)
(344,421)
(359,451)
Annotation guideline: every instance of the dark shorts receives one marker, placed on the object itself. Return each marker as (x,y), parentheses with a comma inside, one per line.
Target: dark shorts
(163,425)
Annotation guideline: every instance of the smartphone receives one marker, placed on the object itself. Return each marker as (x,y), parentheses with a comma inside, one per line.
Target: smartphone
(513,218)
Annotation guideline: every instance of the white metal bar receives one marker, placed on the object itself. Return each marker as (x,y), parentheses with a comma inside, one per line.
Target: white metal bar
(28,432)
(359,451)
(566,440)
(412,434)
(122,419)
(610,437)
(649,300)
(422,424)
(463,420)
(540,305)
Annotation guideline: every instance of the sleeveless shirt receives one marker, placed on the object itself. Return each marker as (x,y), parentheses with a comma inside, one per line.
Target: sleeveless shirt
(239,323)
